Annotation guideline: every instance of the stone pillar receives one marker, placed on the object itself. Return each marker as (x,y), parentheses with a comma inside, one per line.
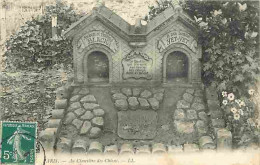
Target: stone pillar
(54,25)
(224,139)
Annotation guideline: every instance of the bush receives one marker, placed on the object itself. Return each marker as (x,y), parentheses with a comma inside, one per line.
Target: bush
(229,37)
(33,46)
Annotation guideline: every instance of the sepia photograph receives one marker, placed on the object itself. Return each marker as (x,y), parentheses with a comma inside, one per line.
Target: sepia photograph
(129,82)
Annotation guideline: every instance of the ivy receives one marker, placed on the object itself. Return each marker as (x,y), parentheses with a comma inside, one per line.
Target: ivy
(32,46)
(228,33)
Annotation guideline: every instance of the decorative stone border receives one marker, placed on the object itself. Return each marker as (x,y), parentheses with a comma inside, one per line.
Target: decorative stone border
(65,146)
(223,138)
(50,135)
(137,98)
(84,113)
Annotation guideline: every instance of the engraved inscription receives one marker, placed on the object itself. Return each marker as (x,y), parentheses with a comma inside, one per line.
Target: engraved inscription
(177,37)
(97,37)
(137,65)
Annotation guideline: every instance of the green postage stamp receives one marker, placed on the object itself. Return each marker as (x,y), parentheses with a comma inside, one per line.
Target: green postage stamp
(18,142)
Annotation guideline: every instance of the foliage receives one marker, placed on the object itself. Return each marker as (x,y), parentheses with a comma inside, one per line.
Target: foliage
(239,114)
(228,32)
(33,46)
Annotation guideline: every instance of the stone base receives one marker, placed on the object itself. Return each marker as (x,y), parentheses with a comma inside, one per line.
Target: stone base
(139,124)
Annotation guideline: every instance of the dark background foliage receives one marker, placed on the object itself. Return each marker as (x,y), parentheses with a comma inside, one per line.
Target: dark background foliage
(33,45)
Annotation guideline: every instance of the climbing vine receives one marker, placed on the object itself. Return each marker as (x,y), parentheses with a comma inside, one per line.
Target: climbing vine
(229,37)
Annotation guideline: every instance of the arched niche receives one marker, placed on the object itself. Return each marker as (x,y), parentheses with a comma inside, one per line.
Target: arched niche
(97,67)
(102,53)
(177,67)
(181,71)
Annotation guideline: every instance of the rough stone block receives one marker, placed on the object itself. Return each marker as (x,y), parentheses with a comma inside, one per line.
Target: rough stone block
(182,104)
(112,149)
(90,106)
(198,100)
(198,106)
(136,92)
(98,121)
(159,148)
(127,91)
(191,148)
(179,114)
(119,96)
(95,148)
(57,113)
(184,127)
(203,116)
(79,111)
(206,142)
(145,149)
(94,132)
(133,103)
(80,146)
(143,103)
(224,139)
(64,145)
(187,97)
(126,149)
(154,103)
(73,106)
(77,123)
(88,99)
(146,94)
(61,104)
(218,123)
(121,104)
(99,112)
(54,123)
(192,114)
(87,116)
(175,149)
(85,128)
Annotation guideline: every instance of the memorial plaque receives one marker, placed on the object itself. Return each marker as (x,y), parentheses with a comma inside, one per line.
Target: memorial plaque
(137,65)
(139,124)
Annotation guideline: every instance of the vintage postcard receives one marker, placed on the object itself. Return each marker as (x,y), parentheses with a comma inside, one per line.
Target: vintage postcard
(130,82)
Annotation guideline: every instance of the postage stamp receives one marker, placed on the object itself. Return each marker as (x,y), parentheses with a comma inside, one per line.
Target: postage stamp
(18,142)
